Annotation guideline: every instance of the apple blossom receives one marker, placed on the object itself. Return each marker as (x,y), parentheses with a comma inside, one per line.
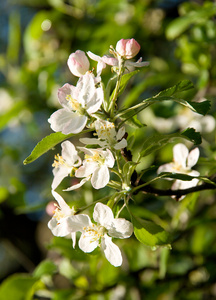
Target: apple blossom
(127,48)
(107,135)
(59,222)
(65,164)
(78,102)
(100,234)
(95,167)
(183,161)
(78,63)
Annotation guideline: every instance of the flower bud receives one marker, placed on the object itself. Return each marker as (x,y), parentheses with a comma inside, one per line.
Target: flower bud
(127,48)
(78,63)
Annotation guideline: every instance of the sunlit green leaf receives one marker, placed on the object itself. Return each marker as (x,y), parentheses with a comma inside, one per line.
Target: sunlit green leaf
(182,86)
(17,286)
(46,267)
(179,25)
(48,143)
(150,233)
(155,142)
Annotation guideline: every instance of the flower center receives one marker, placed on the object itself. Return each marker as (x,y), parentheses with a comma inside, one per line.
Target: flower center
(106,131)
(59,160)
(95,157)
(95,232)
(58,214)
(75,105)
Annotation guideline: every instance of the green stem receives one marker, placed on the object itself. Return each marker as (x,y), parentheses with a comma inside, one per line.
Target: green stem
(117,87)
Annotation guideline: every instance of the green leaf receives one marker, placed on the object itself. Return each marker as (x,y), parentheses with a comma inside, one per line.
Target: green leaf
(173,93)
(155,142)
(46,267)
(48,143)
(150,233)
(18,286)
(179,176)
(12,113)
(182,86)
(192,135)
(200,15)
(133,122)
(198,107)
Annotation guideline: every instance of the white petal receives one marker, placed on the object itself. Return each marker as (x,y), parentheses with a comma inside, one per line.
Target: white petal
(87,244)
(76,124)
(120,133)
(109,159)
(64,91)
(111,251)
(182,185)
(67,121)
(193,157)
(92,141)
(103,215)
(59,228)
(78,185)
(137,64)
(69,153)
(121,228)
(62,204)
(100,177)
(194,173)
(78,222)
(180,154)
(165,168)
(86,169)
(96,100)
(122,144)
(73,237)
(59,175)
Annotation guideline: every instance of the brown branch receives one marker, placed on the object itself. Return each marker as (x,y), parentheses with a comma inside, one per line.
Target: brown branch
(148,189)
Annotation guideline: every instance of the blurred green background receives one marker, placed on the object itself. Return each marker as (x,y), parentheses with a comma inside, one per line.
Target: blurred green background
(178,38)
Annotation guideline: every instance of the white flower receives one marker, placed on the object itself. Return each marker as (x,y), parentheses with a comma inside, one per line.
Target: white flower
(65,164)
(78,102)
(107,136)
(95,167)
(183,161)
(100,234)
(59,222)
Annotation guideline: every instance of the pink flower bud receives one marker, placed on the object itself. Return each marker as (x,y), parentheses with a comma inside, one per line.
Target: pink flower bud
(127,48)
(78,63)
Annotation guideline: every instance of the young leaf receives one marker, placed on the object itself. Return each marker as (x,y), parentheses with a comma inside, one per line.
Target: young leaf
(173,94)
(181,86)
(48,143)
(150,233)
(156,142)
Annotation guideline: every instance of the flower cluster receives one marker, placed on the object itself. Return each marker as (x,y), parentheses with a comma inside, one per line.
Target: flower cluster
(83,106)
(88,108)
